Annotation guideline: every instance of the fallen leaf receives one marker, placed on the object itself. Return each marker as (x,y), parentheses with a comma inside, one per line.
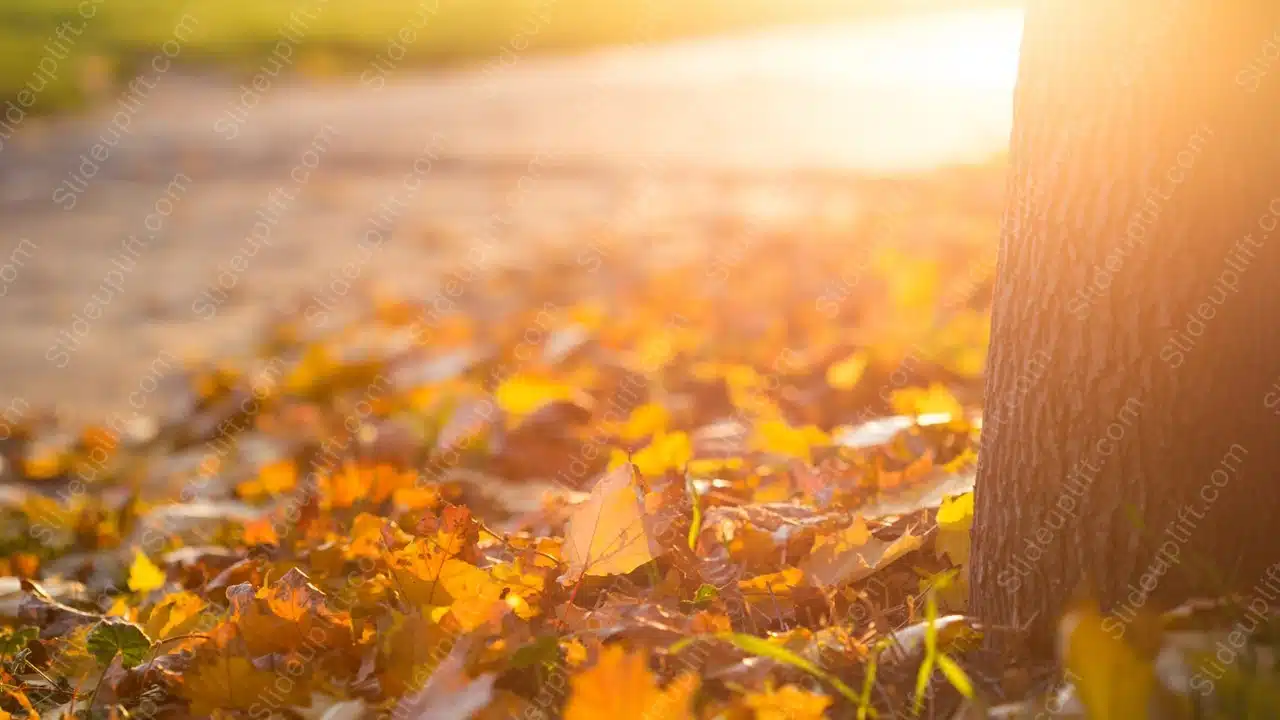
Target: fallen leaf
(144,576)
(620,686)
(667,451)
(786,703)
(1112,679)
(842,560)
(609,533)
(846,373)
(778,438)
(112,636)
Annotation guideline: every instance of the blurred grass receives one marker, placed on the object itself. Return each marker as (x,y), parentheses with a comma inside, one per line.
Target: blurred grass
(345,35)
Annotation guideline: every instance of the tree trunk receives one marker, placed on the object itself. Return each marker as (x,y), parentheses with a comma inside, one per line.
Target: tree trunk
(1132,429)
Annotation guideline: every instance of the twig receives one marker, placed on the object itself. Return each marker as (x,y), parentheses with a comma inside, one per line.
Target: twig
(507,543)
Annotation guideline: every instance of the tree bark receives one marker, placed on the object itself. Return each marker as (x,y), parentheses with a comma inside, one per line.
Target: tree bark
(1131,436)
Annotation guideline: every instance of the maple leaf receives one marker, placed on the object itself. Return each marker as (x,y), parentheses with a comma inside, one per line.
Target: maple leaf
(354,483)
(609,533)
(522,587)
(273,479)
(786,703)
(458,531)
(366,537)
(416,570)
(620,686)
(430,577)
(294,598)
(449,693)
(284,616)
(176,614)
(229,682)
(408,647)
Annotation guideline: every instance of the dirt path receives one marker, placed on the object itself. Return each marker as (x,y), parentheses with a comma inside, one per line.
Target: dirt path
(147,228)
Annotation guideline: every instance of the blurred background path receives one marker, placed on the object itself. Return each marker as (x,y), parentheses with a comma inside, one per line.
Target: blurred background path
(666,138)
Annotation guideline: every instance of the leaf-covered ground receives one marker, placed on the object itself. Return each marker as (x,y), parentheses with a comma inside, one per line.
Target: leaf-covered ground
(724,476)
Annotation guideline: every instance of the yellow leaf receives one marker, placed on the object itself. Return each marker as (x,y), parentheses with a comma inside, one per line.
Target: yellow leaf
(476,596)
(671,451)
(120,607)
(144,576)
(175,615)
(786,703)
(357,482)
(366,536)
(709,467)
(843,560)
(523,588)
(1113,680)
(416,498)
(608,534)
(417,570)
(575,653)
(274,479)
(779,584)
(647,420)
(779,438)
(655,350)
(231,682)
(955,523)
(520,394)
(25,702)
(59,518)
(921,401)
(854,536)
(845,374)
(620,686)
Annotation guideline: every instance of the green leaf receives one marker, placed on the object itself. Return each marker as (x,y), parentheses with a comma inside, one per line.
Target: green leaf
(931,654)
(695,527)
(13,642)
(764,648)
(922,682)
(541,651)
(869,681)
(114,635)
(706,593)
(956,676)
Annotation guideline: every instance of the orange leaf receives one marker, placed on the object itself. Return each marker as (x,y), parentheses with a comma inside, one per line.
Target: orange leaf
(610,533)
(621,687)
(229,682)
